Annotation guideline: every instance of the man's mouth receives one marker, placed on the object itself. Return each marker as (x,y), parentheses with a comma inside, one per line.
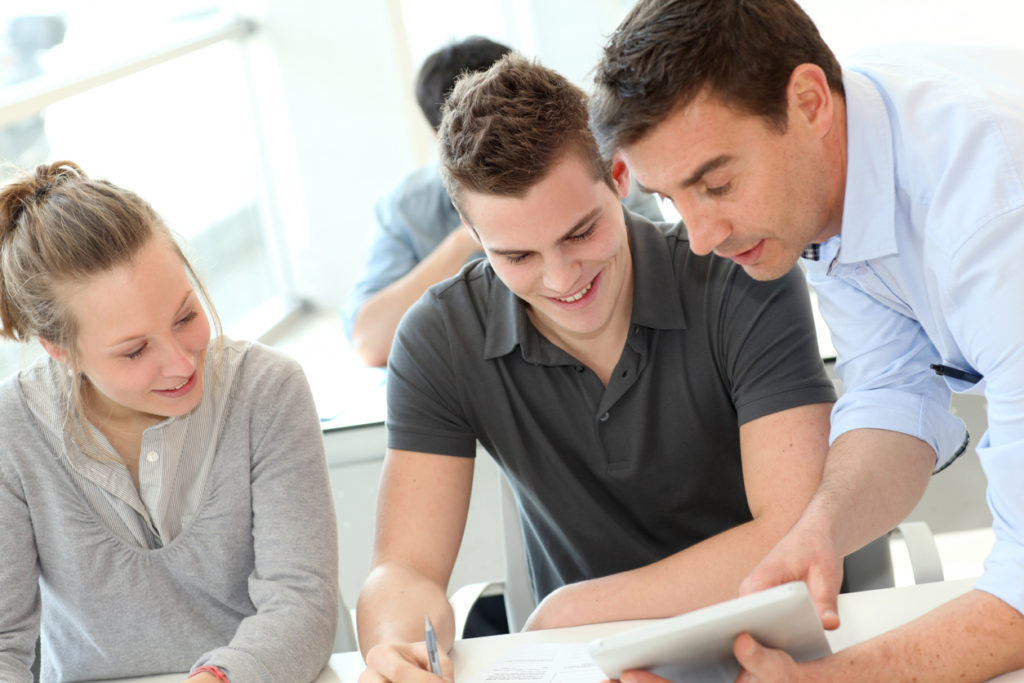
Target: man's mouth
(577,296)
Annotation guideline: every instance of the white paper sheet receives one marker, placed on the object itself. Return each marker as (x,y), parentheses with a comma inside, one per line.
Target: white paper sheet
(544,663)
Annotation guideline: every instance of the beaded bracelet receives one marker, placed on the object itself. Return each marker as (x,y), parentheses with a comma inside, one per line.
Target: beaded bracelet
(211,670)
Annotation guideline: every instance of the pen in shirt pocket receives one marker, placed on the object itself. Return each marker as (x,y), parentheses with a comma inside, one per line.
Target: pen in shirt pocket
(962,375)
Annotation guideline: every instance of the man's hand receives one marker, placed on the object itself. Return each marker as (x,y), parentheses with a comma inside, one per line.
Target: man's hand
(807,555)
(400,662)
(764,665)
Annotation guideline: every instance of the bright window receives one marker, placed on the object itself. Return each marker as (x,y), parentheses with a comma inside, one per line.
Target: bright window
(181,132)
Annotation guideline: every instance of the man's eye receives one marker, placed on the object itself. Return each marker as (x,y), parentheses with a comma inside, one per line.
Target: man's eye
(719,190)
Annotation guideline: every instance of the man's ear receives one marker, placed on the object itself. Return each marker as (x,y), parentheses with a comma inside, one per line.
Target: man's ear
(811,98)
(620,175)
(55,351)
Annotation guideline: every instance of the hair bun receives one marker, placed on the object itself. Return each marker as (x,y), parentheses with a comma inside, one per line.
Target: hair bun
(26,188)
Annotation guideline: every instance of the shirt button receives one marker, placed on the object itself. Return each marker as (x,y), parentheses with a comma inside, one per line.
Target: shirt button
(861,270)
(604,418)
(578,368)
(636,329)
(152,456)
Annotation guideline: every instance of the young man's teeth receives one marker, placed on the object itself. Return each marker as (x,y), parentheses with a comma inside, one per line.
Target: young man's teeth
(578,295)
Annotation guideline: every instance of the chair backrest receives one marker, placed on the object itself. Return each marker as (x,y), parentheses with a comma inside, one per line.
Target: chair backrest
(519,599)
(345,636)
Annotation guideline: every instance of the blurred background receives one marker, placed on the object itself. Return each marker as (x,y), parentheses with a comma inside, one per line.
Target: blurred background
(264,130)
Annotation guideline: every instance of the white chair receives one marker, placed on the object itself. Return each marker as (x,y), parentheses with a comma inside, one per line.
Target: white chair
(345,636)
(865,569)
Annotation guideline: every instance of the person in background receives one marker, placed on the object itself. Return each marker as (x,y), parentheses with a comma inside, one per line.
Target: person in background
(900,180)
(164,495)
(420,239)
(660,424)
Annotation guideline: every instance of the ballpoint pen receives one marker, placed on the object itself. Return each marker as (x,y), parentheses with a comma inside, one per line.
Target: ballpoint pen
(431,641)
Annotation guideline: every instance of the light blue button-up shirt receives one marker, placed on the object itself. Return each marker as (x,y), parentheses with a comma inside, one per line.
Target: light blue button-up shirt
(929,265)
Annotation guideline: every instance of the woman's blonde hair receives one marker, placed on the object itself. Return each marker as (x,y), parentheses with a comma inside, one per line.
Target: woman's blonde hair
(59,227)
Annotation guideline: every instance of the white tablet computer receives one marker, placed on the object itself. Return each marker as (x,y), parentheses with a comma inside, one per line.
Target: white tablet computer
(697,646)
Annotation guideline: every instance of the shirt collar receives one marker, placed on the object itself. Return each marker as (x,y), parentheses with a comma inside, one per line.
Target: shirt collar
(507,324)
(869,209)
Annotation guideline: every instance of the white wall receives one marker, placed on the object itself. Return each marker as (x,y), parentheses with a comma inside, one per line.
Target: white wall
(333,81)
(341,126)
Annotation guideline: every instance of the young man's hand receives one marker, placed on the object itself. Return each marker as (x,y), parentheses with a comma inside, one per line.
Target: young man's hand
(401,662)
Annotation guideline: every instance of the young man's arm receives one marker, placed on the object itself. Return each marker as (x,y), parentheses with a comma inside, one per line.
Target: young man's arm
(422,504)
(373,328)
(783,455)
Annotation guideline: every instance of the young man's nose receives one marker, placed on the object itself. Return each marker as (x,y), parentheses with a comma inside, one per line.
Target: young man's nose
(561,275)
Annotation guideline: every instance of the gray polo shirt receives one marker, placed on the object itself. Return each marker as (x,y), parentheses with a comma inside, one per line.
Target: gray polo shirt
(609,478)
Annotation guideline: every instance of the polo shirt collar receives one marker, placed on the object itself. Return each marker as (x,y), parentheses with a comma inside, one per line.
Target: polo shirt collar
(655,307)
(869,209)
(656,299)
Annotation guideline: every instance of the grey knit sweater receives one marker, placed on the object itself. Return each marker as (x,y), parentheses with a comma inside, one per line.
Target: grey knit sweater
(250,584)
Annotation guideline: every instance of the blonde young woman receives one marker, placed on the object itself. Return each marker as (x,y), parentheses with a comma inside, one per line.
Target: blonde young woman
(164,497)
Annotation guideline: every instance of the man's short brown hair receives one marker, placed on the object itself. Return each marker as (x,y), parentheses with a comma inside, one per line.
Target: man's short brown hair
(666,52)
(505,128)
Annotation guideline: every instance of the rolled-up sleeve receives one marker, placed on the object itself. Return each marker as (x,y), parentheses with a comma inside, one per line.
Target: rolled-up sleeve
(883,362)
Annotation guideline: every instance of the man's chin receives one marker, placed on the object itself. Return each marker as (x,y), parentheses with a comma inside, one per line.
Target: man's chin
(768,271)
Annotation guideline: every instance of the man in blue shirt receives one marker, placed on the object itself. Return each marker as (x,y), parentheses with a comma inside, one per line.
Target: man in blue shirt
(419,239)
(901,179)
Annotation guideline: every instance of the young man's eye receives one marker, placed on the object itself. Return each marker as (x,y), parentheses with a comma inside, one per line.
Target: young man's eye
(580,236)
(516,259)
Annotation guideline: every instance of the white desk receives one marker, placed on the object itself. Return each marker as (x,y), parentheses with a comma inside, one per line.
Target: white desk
(863,615)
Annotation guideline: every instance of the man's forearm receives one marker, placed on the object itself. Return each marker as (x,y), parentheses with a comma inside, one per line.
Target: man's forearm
(392,605)
(701,575)
(374,326)
(973,638)
(873,478)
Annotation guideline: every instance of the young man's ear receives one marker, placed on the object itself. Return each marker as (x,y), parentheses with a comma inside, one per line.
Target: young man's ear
(55,351)
(620,175)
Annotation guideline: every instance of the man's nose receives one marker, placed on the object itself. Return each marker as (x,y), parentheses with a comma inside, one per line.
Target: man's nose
(561,274)
(704,226)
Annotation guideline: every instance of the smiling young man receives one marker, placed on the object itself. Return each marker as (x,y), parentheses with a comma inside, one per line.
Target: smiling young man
(660,424)
(901,179)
